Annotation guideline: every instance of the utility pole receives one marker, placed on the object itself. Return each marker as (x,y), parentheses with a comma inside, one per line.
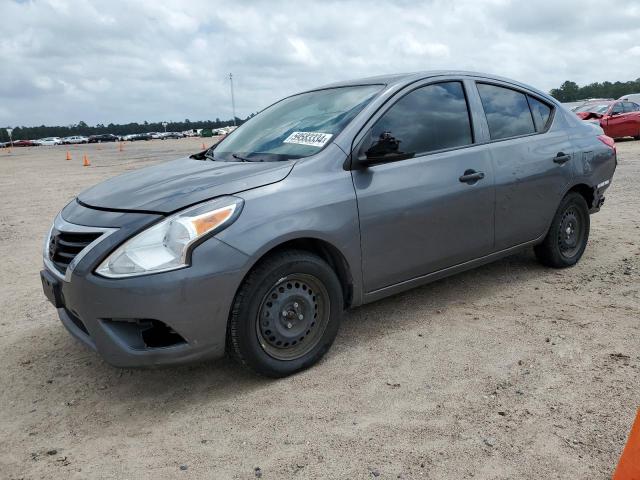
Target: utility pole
(233,100)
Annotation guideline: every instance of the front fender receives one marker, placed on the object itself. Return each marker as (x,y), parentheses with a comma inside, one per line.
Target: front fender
(306,205)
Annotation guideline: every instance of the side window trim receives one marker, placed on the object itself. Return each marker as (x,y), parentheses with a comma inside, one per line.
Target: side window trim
(552,111)
(533,119)
(527,94)
(389,104)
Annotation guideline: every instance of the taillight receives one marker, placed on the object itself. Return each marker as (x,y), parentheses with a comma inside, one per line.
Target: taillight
(608,141)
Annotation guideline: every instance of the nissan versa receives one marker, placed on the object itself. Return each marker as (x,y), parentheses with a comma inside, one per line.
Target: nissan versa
(324,201)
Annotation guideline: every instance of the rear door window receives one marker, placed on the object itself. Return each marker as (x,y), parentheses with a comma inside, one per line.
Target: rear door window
(541,113)
(630,107)
(507,111)
(430,118)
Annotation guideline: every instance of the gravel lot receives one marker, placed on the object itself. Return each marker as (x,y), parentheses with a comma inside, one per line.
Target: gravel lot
(508,371)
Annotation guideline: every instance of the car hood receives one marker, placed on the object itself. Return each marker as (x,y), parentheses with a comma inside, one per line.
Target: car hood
(174,185)
(588,115)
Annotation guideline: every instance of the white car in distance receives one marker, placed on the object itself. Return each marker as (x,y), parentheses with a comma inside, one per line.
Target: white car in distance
(75,139)
(631,97)
(49,141)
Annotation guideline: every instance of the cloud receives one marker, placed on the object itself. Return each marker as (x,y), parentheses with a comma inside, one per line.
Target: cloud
(64,61)
(301,52)
(408,44)
(634,51)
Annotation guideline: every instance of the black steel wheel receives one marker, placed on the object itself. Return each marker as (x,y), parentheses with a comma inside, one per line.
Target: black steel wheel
(293,316)
(568,235)
(571,232)
(286,314)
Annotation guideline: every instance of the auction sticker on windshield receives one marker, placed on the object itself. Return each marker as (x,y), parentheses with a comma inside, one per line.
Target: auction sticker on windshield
(314,139)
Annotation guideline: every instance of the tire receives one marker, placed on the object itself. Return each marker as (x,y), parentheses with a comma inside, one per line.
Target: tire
(286,314)
(568,235)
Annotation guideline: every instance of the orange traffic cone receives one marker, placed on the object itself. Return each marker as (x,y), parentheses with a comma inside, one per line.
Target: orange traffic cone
(85,161)
(203,147)
(68,155)
(629,464)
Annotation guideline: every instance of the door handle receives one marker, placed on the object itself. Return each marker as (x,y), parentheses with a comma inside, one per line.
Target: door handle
(471,176)
(561,158)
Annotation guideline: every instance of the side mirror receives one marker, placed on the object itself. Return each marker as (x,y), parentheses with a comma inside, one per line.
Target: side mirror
(386,149)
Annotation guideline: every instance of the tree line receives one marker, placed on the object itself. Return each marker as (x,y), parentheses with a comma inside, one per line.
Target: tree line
(567,92)
(571,92)
(81,128)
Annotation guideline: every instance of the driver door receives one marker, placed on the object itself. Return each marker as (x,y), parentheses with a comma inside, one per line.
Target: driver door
(428,203)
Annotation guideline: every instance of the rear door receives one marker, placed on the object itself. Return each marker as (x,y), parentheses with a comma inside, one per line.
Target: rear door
(632,117)
(531,154)
(421,214)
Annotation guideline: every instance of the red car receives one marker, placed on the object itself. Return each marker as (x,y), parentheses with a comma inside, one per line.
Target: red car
(25,143)
(617,118)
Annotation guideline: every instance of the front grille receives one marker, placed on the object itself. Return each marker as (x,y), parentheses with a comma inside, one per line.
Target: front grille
(64,246)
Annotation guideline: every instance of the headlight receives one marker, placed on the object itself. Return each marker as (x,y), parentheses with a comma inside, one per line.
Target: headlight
(166,245)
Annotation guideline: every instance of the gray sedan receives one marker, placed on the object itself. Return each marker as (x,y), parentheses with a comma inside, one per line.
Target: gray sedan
(324,201)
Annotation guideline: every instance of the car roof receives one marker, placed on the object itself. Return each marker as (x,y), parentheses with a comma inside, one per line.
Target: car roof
(407,78)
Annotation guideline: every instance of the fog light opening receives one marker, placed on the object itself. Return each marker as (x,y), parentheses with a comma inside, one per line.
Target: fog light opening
(156,334)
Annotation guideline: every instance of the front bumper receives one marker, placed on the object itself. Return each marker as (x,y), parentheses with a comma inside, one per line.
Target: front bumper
(166,318)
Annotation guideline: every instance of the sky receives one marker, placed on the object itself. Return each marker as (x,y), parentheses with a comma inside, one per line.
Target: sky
(120,61)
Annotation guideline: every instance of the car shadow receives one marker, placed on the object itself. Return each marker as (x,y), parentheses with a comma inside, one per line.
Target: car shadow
(437,297)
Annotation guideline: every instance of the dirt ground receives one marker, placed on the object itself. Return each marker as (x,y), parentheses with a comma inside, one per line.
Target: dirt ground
(511,370)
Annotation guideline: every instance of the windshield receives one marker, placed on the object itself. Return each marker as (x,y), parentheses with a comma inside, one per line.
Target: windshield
(297,126)
(594,108)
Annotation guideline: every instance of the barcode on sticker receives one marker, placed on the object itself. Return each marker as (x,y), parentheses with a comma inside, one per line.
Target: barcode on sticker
(314,139)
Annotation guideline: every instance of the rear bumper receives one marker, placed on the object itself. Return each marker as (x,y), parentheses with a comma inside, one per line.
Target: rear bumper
(598,201)
(598,196)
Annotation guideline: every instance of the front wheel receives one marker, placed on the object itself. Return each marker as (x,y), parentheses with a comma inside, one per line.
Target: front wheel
(568,235)
(286,314)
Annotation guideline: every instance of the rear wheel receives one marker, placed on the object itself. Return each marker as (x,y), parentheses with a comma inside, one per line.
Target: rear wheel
(568,235)
(286,314)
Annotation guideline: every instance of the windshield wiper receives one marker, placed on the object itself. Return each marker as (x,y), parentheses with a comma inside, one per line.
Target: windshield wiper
(242,159)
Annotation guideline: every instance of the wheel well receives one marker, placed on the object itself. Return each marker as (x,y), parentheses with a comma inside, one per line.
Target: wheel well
(586,191)
(329,254)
